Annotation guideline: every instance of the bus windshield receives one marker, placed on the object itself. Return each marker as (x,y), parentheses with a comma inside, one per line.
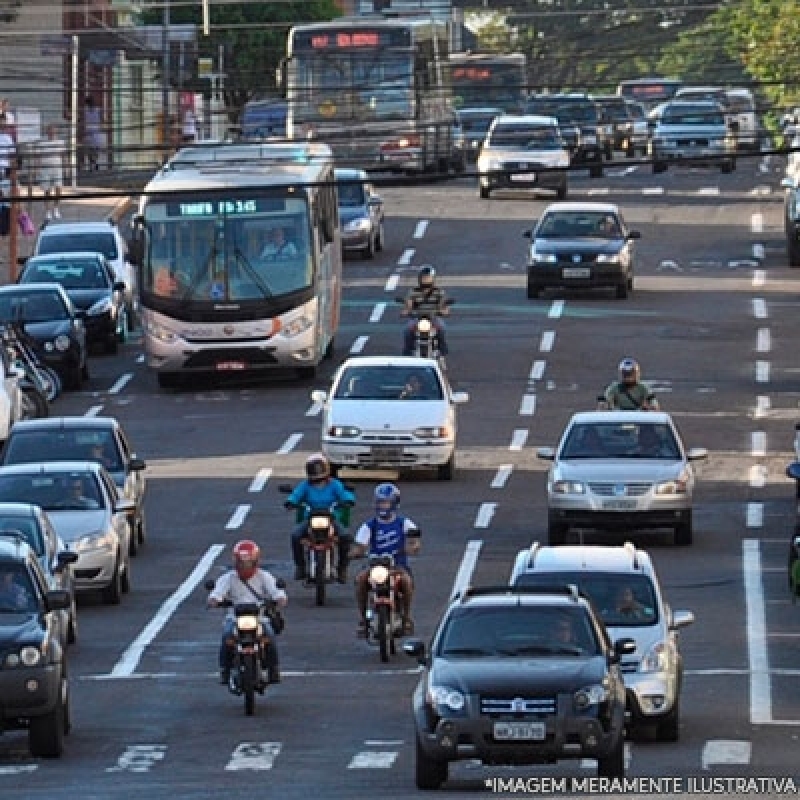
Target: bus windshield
(477,85)
(209,249)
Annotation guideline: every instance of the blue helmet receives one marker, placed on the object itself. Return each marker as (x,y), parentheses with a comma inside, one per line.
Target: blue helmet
(387,498)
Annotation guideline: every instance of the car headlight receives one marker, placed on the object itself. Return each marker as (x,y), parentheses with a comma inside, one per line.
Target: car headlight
(590,696)
(655,659)
(28,656)
(717,142)
(362,224)
(344,431)
(607,258)
(102,306)
(61,343)
(441,432)
(544,258)
(446,697)
(160,332)
(296,326)
(679,485)
(485,164)
(568,487)
(101,540)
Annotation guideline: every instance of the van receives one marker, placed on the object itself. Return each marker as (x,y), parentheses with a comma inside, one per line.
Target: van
(742,108)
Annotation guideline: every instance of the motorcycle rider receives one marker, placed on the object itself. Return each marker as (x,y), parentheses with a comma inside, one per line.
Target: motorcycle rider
(319,490)
(247,583)
(387,533)
(426,296)
(630,393)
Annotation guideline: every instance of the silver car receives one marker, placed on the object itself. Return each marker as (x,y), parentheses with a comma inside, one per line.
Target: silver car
(87,512)
(618,470)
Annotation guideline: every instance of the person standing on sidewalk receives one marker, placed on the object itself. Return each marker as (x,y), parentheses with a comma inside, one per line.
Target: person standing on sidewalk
(52,154)
(7,151)
(94,138)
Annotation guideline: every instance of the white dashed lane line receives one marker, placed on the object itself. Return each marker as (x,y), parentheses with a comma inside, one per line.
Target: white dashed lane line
(754,517)
(121,383)
(763,342)
(391,283)
(314,409)
(501,476)
(757,222)
(289,444)
(518,439)
(547,341)
(537,371)
(759,308)
(238,517)
(485,514)
(260,480)
(759,278)
(358,344)
(762,371)
(467,566)
(527,407)
(405,259)
(759,252)
(757,477)
(556,309)
(758,444)
(377,312)
(419,231)
(653,190)
(708,191)
(93,411)
(762,407)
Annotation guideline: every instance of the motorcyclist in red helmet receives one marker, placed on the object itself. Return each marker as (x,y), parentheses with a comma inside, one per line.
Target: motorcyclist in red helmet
(247,583)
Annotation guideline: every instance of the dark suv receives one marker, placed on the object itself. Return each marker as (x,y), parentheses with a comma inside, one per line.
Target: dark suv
(616,124)
(33,673)
(519,675)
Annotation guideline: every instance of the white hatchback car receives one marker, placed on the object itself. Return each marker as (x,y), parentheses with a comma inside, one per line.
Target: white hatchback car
(396,412)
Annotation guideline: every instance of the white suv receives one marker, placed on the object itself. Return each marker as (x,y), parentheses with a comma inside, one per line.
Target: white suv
(622,584)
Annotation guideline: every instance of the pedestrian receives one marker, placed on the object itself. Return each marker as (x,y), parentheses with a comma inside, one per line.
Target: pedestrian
(94,138)
(11,120)
(189,127)
(52,154)
(7,150)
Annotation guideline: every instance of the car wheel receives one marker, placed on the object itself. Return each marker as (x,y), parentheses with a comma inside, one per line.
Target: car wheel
(484,192)
(380,242)
(534,290)
(658,167)
(561,192)
(596,170)
(668,728)
(683,530)
(622,289)
(112,594)
(447,471)
(556,531)
(793,248)
(125,579)
(613,765)
(72,622)
(369,251)
(46,733)
(141,529)
(133,543)
(429,773)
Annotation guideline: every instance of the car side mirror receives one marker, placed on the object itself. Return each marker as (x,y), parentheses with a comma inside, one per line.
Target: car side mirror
(634,235)
(58,600)
(623,647)
(546,453)
(318,396)
(697,454)
(136,464)
(681,619)
(416,649)
(793,471)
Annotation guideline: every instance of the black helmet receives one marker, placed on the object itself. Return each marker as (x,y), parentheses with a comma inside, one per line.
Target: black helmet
(426,277)
(317,467)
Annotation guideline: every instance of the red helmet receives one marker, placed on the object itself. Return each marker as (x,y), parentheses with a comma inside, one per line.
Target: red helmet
(245,558)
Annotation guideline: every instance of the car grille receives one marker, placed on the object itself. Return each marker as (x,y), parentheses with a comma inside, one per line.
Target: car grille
(612,489)
(627,667)
(692,142)
(524,165)
(576,258)
(385,438)
(518,705)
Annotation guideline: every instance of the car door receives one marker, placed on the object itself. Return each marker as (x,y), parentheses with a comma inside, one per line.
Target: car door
(119,520)
(134,479)
(13,394)
(374,206)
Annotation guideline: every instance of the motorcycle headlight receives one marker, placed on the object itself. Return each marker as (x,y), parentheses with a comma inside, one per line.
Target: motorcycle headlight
(424,325)
(247,623)
(344,431)
(446,697)
(378,575)
(655,659)
(102,306)
(589,138)
(590,696)
(607,258)
(678,486)
(319,523)
(101,540)
(568,487)
(441,432)
(545,258)
(61,343)
(357,225)
(297,326)
(159,332)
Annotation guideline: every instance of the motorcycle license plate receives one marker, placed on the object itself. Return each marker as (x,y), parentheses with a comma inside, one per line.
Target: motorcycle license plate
(576,272)
(515,731)
(619,505)
(231,366)
(387,453)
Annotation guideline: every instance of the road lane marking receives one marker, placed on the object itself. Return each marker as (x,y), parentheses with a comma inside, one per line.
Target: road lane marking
(758,444)
(501,476)
(528,405)
(238,517)
(763,340)
(726,751)
(93,411)
(758,476)
(206,676)
(485,514)
(547,341)
(759,308)
(405,259)
(384,742)
(419,231)
(603,190)
(467,566)
(377,312)
(759,251)
(140,359)
(518,439)
(755,613)
(314,409)
(762,371)
(373,759)
(289,444)
(254,755)
(391,282)
(708,190)
(754,517)
(762,407)
(537,370)
(757,222)
(556,309)
(358,344)
(653,190)
(16,769)
(260,480)
(129,660)
(121,383)
(139,758)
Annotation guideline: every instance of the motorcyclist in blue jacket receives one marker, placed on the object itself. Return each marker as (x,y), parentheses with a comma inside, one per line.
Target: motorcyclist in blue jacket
(319,490)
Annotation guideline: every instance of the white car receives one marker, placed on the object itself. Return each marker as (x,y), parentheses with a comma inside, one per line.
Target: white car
(396,412)
(11,399)
(743,109)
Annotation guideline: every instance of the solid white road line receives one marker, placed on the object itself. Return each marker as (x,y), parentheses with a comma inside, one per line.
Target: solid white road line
(93,411)
(121,383)
(384,742)
(759,308)
(756,626)
(758,444)
(757,222)
(254,755)
(763,340)
(547,341)
(485,514)
(129,660)
(501,476)
(377,312)
(725,751)
(537,370)
(260,480)
(358,344)
(653,190)
(405,259)
(391,283)
(754,516)
(419,231)
(289,444)
(762,371)
(528,405)
(204,676)
(467,566)
(759,251)
(518,439)
(757,476)
(708,190)
(238,517)
(556,309)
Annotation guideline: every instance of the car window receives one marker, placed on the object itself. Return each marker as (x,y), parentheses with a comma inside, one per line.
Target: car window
(53,492)
(579,224)
(621,599)
(692,115)
(620,440)
(25,527)
(71,274)
(388,383)
(32,306)
(17,593)
(30,447)
(351,195)
(90,241)
(526,137)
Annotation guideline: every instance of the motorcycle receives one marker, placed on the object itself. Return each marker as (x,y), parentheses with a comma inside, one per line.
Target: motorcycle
(384,620)
(33,384)
(23,355)
(320,543)
(426,339)
(250,643)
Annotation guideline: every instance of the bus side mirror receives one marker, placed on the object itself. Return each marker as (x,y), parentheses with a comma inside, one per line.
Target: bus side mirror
(280,76)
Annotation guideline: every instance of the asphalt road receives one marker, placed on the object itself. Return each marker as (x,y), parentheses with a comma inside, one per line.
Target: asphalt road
(713,321)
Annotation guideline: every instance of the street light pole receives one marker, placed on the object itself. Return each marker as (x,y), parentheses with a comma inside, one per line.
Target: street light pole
(165,79)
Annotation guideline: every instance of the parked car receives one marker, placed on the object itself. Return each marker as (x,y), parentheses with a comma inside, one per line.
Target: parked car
(624,587)
(369,420)
(475,124)
(583,246)
(518,676)
(32,525)
(54,325)
(791,219)
(360,213)
(89,281)
(33,678)
(620,470)
(523,152)
(100,439)
(88,514)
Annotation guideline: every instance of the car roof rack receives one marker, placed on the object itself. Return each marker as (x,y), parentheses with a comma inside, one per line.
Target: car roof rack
(565,589)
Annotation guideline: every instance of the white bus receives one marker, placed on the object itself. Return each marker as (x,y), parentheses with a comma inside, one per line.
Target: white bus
(239,256)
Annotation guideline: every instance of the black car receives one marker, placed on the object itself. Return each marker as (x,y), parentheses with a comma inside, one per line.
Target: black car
(100,439)
(616,124)
(475,124)
(519,676)
(54,325)
(581,246)
(89,281)
(791,219)
(33,676)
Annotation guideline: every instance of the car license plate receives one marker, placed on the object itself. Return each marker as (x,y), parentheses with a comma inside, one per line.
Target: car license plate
(506,731)
(387,453)
(619,505)
(576,272)
(229,366)
(529,177)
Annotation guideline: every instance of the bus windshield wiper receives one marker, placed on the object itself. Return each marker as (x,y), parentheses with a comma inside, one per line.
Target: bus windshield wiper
(251,271)
(201,273)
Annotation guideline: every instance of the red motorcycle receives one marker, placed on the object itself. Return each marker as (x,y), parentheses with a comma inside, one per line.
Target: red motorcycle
(384,620)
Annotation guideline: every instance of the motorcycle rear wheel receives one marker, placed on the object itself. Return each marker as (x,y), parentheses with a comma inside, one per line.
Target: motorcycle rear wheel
(34,404)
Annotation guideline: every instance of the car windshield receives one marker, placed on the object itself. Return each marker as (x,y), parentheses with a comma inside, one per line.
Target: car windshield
(476,123)
(17,594)
(692,115)
(351,195)
(389,383)
(605,440)
(31,447)
(579,224)
(76,273)
(25,528)
(53,492)
(567,112)
(519,631)
(32,306)
(621,599)
(88,241)
(525,137)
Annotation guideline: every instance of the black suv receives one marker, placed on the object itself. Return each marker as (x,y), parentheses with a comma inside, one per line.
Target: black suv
(579,120)
(616,124)
(519,675)
(33,670)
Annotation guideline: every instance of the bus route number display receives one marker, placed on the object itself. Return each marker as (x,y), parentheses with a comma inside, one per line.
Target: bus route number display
(340,39)
(228,208)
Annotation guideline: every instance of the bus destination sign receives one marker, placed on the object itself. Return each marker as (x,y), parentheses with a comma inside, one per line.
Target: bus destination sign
(351,39)
(224,208)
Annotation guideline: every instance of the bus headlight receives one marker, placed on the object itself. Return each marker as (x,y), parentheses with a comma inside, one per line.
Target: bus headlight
(296,326)
(159,332)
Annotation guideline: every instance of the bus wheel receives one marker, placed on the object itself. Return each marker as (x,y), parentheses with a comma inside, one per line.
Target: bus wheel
(307,373)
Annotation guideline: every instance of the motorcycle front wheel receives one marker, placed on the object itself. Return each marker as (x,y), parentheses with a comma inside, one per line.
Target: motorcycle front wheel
(320,576)
(384,634)
(247,676)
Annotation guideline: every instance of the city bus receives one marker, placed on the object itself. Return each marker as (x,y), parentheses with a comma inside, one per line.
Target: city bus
(489,81)
(375,89)
(239,254)
(649,92)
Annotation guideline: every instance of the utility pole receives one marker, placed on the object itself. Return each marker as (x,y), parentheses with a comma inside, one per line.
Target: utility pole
(73,123)
(13,217)
(165,79)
